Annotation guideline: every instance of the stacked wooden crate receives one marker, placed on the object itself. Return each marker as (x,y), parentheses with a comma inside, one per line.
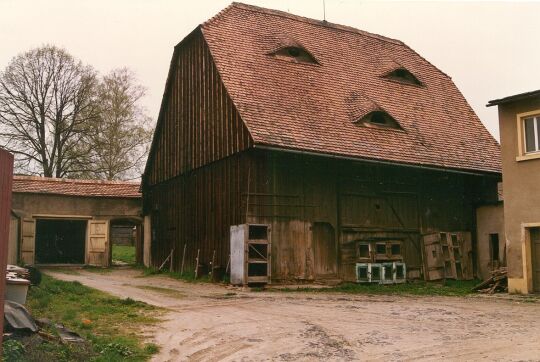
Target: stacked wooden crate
(448,255)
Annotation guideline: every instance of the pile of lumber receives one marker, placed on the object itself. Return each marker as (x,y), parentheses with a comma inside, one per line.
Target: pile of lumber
(14,271)
(498,282)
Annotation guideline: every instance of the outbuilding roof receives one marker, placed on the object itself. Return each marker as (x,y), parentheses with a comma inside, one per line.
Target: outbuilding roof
(70,187)
(315,105)
(515,98)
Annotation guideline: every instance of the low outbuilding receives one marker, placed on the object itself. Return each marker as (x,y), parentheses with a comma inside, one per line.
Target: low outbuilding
(64,221)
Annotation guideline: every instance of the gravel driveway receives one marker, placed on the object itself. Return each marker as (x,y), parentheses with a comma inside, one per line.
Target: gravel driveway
(206,322)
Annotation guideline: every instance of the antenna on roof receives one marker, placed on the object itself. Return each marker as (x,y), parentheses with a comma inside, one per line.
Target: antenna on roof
(324,10)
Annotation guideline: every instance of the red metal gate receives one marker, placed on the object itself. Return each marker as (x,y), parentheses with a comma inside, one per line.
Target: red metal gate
(6,180)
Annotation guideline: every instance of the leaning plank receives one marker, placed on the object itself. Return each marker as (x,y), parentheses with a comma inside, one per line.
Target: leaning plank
(483,284)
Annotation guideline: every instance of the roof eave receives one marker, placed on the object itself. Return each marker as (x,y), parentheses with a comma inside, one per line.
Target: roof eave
(514,98)
(71,195)
(475,172)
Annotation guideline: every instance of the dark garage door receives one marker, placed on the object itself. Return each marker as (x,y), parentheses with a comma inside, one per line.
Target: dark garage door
(60,241)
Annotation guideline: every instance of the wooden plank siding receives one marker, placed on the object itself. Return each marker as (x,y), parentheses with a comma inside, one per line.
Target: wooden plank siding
(197,209)
(297,194)
(198,122)
(358,201)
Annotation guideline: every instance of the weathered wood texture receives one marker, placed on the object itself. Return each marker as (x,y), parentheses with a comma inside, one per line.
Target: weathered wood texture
(6,180)
(198,209)
(198,123)
(319,209)
(359,201)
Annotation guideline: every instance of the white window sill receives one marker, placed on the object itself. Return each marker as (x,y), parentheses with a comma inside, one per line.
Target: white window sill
(530,156)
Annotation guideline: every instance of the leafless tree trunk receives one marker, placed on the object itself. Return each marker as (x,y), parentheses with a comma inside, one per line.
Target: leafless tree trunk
(46,103)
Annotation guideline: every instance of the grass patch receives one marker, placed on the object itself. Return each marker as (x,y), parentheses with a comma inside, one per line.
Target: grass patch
(124,253)
(449,288)
(110,325)
(64,270)
(97,269)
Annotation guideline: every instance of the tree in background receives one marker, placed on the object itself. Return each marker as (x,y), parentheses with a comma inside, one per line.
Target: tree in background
(121,134)
(61,120)
(46,101)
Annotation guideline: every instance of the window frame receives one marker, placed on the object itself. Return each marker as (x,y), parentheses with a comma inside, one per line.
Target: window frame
(523,154)
(535,138)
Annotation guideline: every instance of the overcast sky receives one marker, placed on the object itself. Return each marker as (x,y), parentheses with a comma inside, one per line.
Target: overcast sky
(490,49)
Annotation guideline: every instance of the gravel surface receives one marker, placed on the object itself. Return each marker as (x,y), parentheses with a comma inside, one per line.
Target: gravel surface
(206,322)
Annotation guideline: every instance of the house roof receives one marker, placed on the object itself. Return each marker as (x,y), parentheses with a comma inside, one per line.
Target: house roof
(313,107)
(69,187)
(514,98)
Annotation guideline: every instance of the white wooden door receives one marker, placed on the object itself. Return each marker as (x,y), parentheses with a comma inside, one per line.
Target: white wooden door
(28,241)
(98,243)
(14,238)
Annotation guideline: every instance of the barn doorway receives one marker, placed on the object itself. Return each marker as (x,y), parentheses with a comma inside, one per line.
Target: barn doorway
(60,241)
(126,238)
(324,250)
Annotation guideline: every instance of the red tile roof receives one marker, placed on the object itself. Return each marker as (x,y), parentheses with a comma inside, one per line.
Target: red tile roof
(86,188)
(311,107)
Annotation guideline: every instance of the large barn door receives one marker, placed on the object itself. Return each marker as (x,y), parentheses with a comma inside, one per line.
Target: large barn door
(98,242)
(28,241)
(324,250)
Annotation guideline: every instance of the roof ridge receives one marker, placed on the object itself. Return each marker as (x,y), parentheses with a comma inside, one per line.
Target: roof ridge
(76,181)
(220,13)
(304,19)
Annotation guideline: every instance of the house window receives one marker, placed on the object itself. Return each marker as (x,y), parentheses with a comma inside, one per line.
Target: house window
(531,134)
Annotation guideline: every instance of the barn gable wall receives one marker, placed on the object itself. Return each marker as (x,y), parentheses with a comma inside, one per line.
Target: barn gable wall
(198,123)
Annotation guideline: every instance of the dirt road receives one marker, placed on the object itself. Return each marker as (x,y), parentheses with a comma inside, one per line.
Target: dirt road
(212,323)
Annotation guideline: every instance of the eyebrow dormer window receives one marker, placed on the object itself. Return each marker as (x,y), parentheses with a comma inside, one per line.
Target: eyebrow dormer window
(378,119)
(295,54)
(404,76)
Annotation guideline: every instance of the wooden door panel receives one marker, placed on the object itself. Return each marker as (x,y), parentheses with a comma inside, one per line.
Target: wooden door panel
(324,250)
(98,242)
(28,241)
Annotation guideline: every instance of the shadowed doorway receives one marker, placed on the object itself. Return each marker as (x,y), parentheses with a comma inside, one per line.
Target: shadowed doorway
(60,241)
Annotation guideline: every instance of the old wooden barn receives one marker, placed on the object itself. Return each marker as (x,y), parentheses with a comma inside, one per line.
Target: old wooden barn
(337,138)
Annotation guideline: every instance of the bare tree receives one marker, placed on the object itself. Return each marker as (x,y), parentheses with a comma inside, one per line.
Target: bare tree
(121,135)
(46,102)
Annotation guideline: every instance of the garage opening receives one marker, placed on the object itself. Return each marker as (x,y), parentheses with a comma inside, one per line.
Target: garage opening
(60,241)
